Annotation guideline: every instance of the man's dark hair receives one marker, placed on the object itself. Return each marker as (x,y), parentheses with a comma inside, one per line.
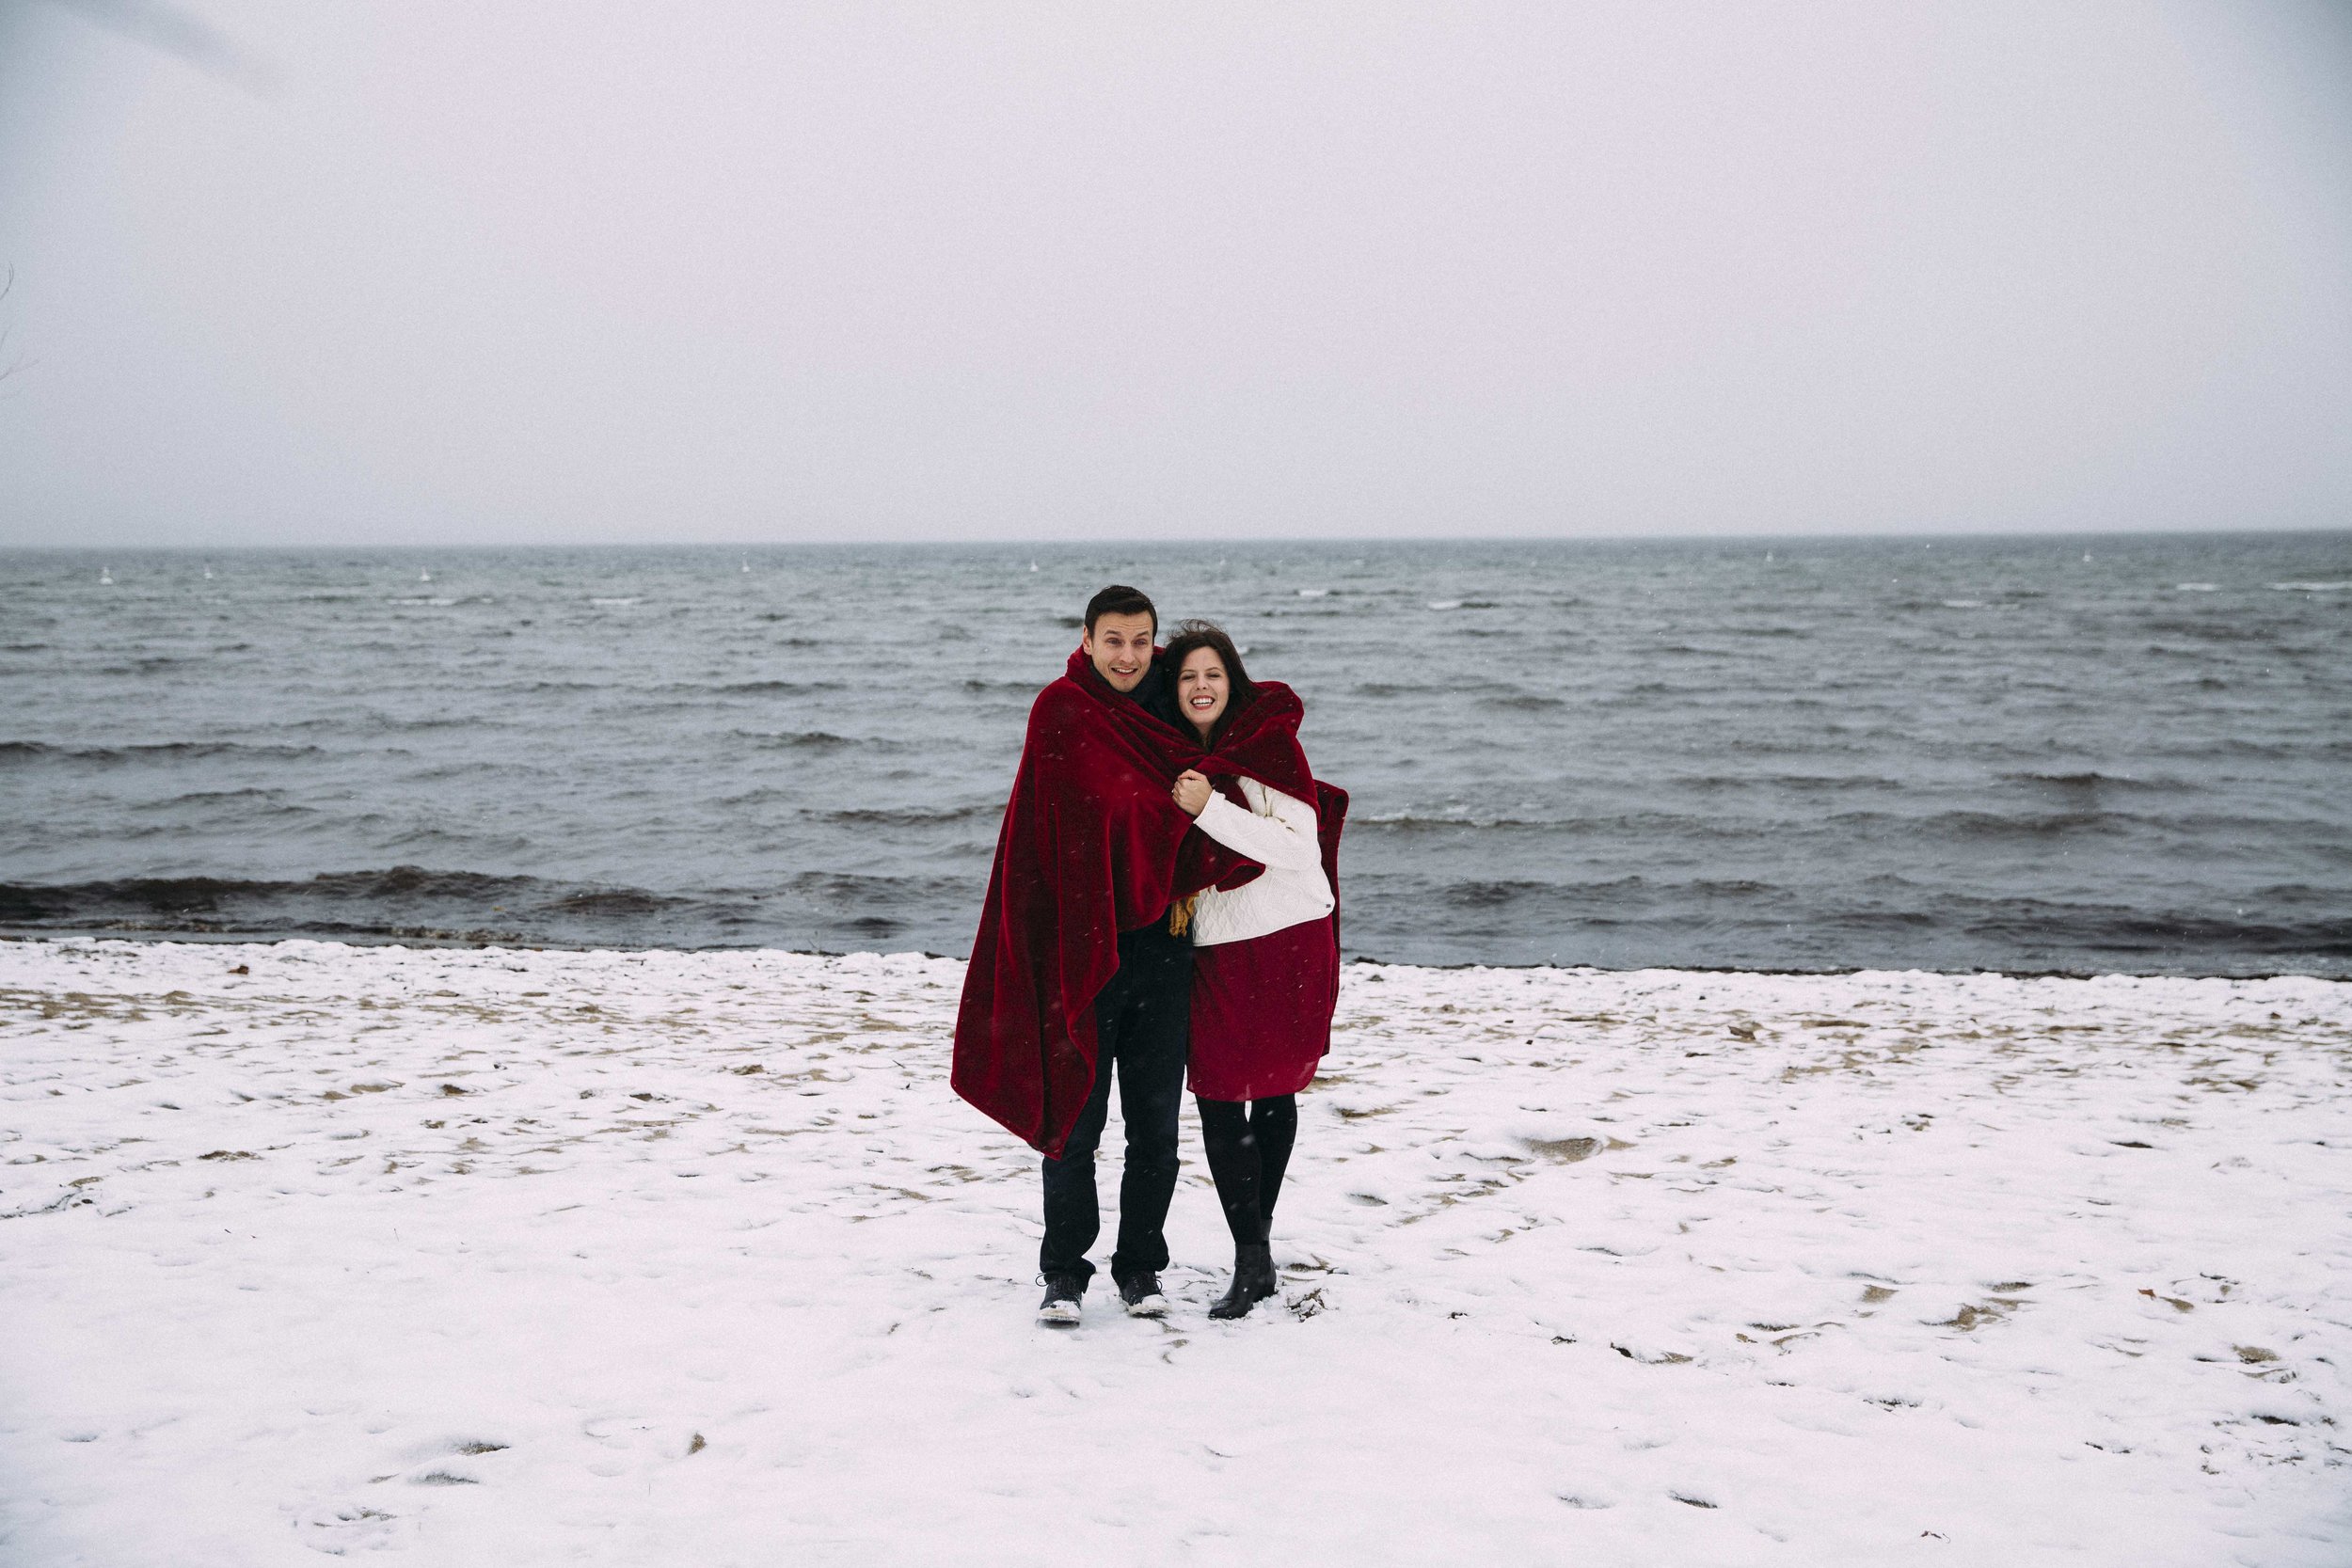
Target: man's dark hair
(1193,635)
(1120,599)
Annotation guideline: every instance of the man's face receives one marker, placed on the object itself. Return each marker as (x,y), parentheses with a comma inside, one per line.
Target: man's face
(1121,647)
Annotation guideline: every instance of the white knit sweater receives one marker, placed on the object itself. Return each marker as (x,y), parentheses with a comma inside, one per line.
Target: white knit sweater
(1278,832)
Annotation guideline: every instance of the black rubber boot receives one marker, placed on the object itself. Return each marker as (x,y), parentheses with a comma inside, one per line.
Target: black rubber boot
(1253,1281)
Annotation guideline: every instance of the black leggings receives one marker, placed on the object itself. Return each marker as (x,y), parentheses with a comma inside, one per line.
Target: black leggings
(1250,1145)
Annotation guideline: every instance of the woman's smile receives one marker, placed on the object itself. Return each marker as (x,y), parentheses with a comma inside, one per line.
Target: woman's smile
(1202,688)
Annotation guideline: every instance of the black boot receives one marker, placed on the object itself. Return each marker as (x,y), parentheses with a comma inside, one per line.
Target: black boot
(1253,1281)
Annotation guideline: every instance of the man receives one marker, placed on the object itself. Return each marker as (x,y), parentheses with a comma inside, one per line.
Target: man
(1074,976)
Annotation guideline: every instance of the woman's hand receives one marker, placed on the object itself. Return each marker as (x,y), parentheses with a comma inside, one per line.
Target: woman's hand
(1191,792)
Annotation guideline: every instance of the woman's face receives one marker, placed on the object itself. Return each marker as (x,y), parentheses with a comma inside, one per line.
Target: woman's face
(1202,687)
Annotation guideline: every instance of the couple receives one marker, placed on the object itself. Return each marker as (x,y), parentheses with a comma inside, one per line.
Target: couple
(1164,896)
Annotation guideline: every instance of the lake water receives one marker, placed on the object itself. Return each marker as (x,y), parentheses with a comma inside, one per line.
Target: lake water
(2074,754)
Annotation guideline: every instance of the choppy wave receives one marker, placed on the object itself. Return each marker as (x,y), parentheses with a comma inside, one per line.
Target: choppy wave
(769,688)
(1629,922)
(403,902)
(798,740)
(912,816)
(21,753)
(2090,782)
(823,912)
(1799,754)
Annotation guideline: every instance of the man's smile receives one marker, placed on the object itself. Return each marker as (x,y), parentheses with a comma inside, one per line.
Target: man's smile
(1120,643)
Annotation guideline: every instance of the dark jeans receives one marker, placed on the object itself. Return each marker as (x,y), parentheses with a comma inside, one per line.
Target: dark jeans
(1142,1024)
(1249,1148)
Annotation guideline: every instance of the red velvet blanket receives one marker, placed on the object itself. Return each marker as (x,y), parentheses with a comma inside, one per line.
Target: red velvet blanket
(1092,845)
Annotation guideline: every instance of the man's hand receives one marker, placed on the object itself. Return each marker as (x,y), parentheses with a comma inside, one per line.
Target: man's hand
(1191,792)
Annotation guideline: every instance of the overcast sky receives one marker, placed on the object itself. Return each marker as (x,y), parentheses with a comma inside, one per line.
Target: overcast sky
(392,271)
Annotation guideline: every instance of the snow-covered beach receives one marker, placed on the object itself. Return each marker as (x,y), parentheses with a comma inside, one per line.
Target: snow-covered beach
(500,1256)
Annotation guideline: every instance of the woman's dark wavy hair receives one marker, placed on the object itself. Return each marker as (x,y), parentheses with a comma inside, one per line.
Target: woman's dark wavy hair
(1208,634)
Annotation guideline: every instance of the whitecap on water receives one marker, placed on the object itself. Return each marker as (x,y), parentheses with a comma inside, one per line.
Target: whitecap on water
(2310,587)
(1963,604)
(616,601)
(1312,593)
(2193,588)
(1445,604)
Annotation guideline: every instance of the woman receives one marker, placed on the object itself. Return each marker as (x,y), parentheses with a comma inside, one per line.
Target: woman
(1265,953)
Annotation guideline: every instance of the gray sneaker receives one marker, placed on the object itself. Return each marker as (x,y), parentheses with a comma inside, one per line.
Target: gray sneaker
(1063,1292)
